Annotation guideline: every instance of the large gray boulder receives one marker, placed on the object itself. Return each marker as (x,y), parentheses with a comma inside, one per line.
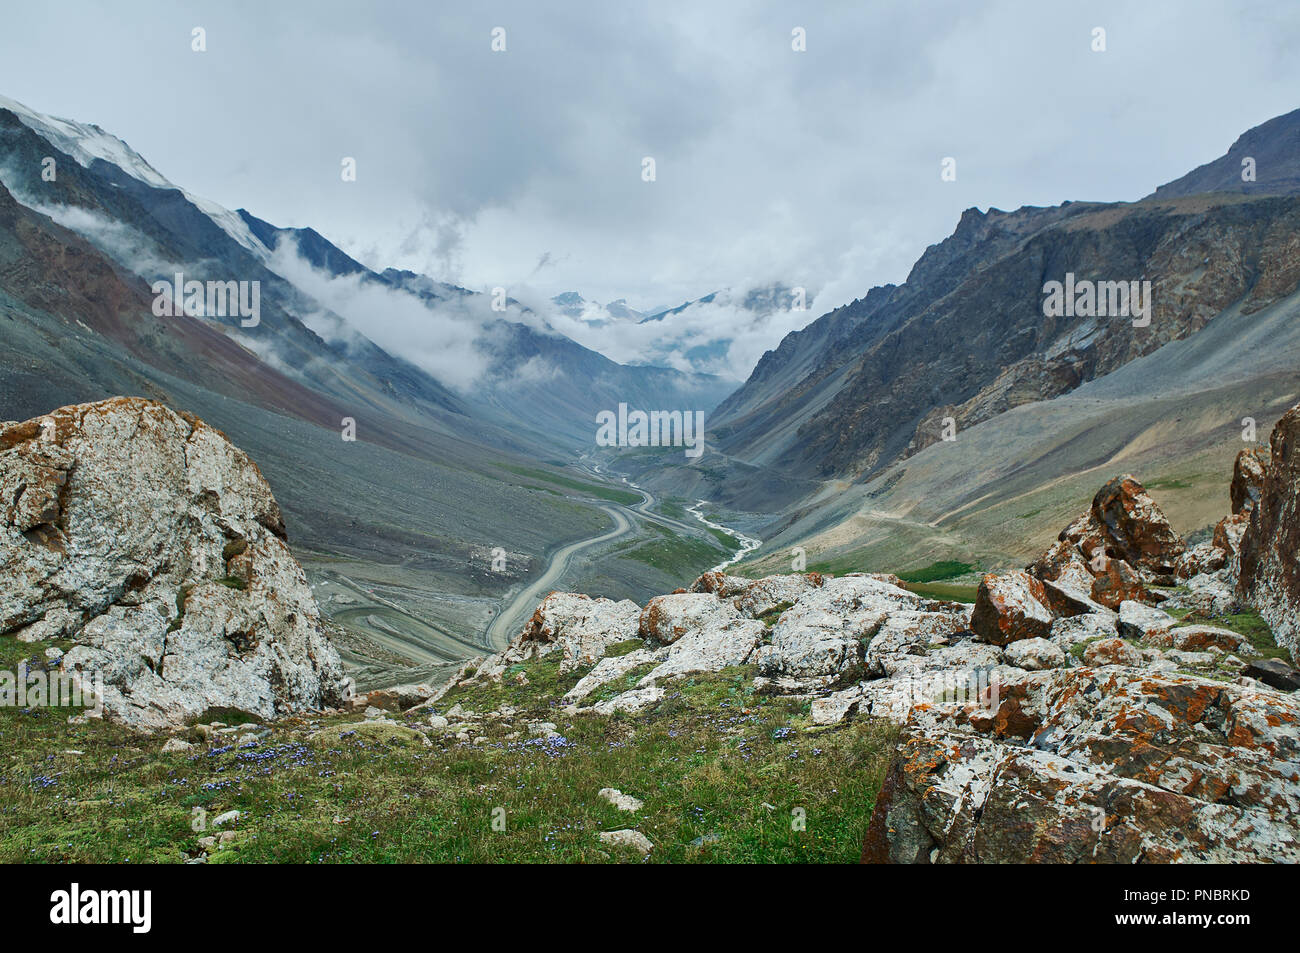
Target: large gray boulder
(154,545)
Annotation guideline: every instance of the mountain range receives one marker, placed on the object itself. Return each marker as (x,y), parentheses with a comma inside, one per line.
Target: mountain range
(456,407)
(953,417)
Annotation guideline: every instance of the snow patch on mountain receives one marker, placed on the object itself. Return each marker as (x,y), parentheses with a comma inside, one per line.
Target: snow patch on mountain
(86,142)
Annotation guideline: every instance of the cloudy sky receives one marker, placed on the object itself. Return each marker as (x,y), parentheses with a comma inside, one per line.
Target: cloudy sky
(523,168)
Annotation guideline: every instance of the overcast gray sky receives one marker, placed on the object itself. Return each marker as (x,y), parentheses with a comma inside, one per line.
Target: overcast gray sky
(523,168)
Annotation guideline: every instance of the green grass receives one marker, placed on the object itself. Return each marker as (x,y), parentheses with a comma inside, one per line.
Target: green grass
(946,569)
(838,567)
(1248,623)
(771,616)
(950,591)
(674,509)
(1171,483)
(619,649)
(671,553)
(613,494)
(714,763)
(725,540)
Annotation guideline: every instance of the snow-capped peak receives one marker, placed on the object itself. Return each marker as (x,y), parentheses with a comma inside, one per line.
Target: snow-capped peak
(86,142)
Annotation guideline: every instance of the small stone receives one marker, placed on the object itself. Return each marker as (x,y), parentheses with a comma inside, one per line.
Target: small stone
(627,838)
(225,818)
(176,744)
(624,802)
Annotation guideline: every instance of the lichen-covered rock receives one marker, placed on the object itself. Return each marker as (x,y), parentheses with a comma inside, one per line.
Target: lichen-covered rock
(1120,543)
(1010,607)
(1248,473)
(1211,593)
(579,626)
(608,669)
(1134,528)
(1112,652)
(629,702)
(1137,620)
(1228,533)
(1073,630)
(1201,558)
(1198,638)
(1269,561)
(1067,596)
(826,632)
(1275,673)
(720,584)
(911,634)
(1034,655)
(771,592)
(710,648)
(1111,765)
(665,619)
(153,544)
(956,674)
(1116,582)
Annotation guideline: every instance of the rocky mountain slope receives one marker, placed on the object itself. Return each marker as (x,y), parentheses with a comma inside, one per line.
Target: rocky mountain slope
(1265,160)
(149,228)
(417,497)
(985,346)
(966,337)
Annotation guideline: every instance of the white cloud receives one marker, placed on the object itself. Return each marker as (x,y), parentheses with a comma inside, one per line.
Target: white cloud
(818,168)
(439,339)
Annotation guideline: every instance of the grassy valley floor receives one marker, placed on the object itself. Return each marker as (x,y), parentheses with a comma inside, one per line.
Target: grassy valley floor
(726,776)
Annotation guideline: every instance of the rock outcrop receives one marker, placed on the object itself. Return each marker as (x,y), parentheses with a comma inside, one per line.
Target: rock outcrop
(1063,717)
(156,547)
(1096,765)
(1010,607)
(1116,550)
(1269,558)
